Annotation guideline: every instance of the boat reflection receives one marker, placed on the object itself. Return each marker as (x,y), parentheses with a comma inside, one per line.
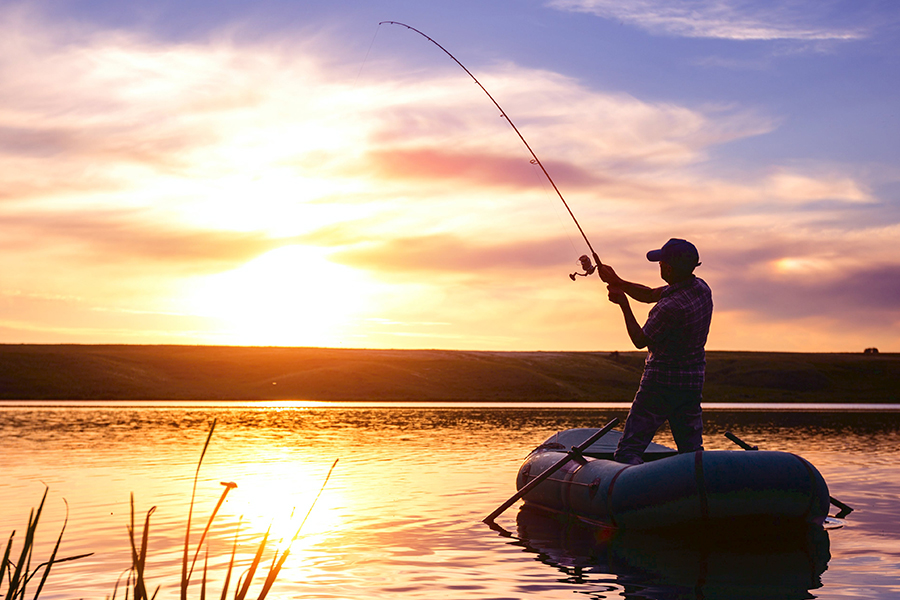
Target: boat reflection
(666,566)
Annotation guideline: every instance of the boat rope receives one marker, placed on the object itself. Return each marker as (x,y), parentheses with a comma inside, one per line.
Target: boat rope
(535,160)
(701,485)
(570,482)
(609,493)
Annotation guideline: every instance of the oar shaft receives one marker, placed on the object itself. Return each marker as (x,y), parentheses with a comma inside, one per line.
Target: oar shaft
(576,451)
(844,509)
(739,441)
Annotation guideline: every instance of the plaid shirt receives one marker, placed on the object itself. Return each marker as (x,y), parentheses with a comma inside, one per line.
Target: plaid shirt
(677,328)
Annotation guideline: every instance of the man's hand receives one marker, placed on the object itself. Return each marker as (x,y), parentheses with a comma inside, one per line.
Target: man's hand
(639,292)
(608,275)
(616,295)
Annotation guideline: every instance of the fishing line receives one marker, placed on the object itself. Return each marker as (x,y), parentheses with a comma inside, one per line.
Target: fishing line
(366,59)
(585,261)
(540,180)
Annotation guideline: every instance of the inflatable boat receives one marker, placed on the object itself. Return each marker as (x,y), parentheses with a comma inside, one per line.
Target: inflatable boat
(671,490)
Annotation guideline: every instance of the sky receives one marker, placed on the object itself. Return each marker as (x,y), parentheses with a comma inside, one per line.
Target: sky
(291,172)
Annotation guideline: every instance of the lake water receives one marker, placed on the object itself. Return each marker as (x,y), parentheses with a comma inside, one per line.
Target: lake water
(401,515)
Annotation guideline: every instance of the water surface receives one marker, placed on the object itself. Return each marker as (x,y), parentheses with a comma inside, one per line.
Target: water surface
(401,515)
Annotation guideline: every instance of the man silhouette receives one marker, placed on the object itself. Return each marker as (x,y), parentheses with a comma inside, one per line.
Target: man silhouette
(675,334)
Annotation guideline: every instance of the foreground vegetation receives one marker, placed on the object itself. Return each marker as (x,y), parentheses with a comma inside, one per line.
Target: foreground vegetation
(76,372)
(17,577)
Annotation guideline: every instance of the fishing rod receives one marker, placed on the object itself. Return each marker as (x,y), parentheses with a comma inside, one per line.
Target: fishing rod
(584,259)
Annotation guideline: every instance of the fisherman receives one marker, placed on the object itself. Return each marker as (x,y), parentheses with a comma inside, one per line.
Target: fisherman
(675,335)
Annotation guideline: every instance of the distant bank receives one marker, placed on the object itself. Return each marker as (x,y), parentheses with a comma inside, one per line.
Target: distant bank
(110,372)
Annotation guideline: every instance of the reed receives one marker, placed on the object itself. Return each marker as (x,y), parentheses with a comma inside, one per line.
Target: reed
(136,581)
(16,574)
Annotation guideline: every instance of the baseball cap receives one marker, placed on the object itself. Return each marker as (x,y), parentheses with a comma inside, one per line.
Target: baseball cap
(679,253)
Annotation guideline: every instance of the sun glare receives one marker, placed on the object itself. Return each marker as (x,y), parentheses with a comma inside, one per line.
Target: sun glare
(281,507)
(277,202)
(291,296)
(801,265)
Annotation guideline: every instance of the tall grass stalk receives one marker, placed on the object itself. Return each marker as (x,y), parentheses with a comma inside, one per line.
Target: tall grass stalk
(18,574)
(276,568)
(229,485)
(139,556)
(185,577)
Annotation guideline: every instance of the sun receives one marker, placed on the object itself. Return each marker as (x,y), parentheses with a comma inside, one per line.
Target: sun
(291,296)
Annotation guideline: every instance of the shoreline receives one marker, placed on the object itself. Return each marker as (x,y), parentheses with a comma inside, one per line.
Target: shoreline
(307,405)
(31,372)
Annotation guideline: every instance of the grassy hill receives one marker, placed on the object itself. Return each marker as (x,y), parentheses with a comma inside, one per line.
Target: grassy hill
(84,372)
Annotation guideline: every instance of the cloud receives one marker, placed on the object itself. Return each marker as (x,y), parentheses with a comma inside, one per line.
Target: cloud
(866,295)
(804,20)
(129,237)
(49,319)
(560,118)
(796,187)
(453,254)
(842,282)
(810,311)
(475,168)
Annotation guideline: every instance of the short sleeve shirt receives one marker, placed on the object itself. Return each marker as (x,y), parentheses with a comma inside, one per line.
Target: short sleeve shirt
(676,329)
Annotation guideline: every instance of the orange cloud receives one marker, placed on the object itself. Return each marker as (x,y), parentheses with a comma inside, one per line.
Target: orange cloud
(475,168)
(448,253)
(128,237)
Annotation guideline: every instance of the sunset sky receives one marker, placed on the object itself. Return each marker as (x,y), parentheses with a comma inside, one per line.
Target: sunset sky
(288,172)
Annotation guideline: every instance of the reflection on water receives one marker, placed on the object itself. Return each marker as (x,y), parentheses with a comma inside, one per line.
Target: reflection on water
(401,516)
(655,566)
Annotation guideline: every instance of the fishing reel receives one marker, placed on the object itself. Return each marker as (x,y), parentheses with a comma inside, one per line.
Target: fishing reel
(586,264)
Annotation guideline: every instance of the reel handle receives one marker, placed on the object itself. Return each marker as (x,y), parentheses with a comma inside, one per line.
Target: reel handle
(586,264)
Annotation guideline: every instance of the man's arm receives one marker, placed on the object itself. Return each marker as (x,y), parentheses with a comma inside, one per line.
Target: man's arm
(635,332)
(639,292)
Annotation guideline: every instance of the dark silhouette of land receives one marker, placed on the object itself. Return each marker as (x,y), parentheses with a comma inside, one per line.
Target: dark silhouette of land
(110,372)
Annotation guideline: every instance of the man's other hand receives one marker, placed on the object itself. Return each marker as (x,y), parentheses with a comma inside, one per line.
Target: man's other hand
(616,295)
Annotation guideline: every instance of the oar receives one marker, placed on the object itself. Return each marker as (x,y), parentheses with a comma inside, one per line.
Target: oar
(740,442)
(845,510)
(573,453)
